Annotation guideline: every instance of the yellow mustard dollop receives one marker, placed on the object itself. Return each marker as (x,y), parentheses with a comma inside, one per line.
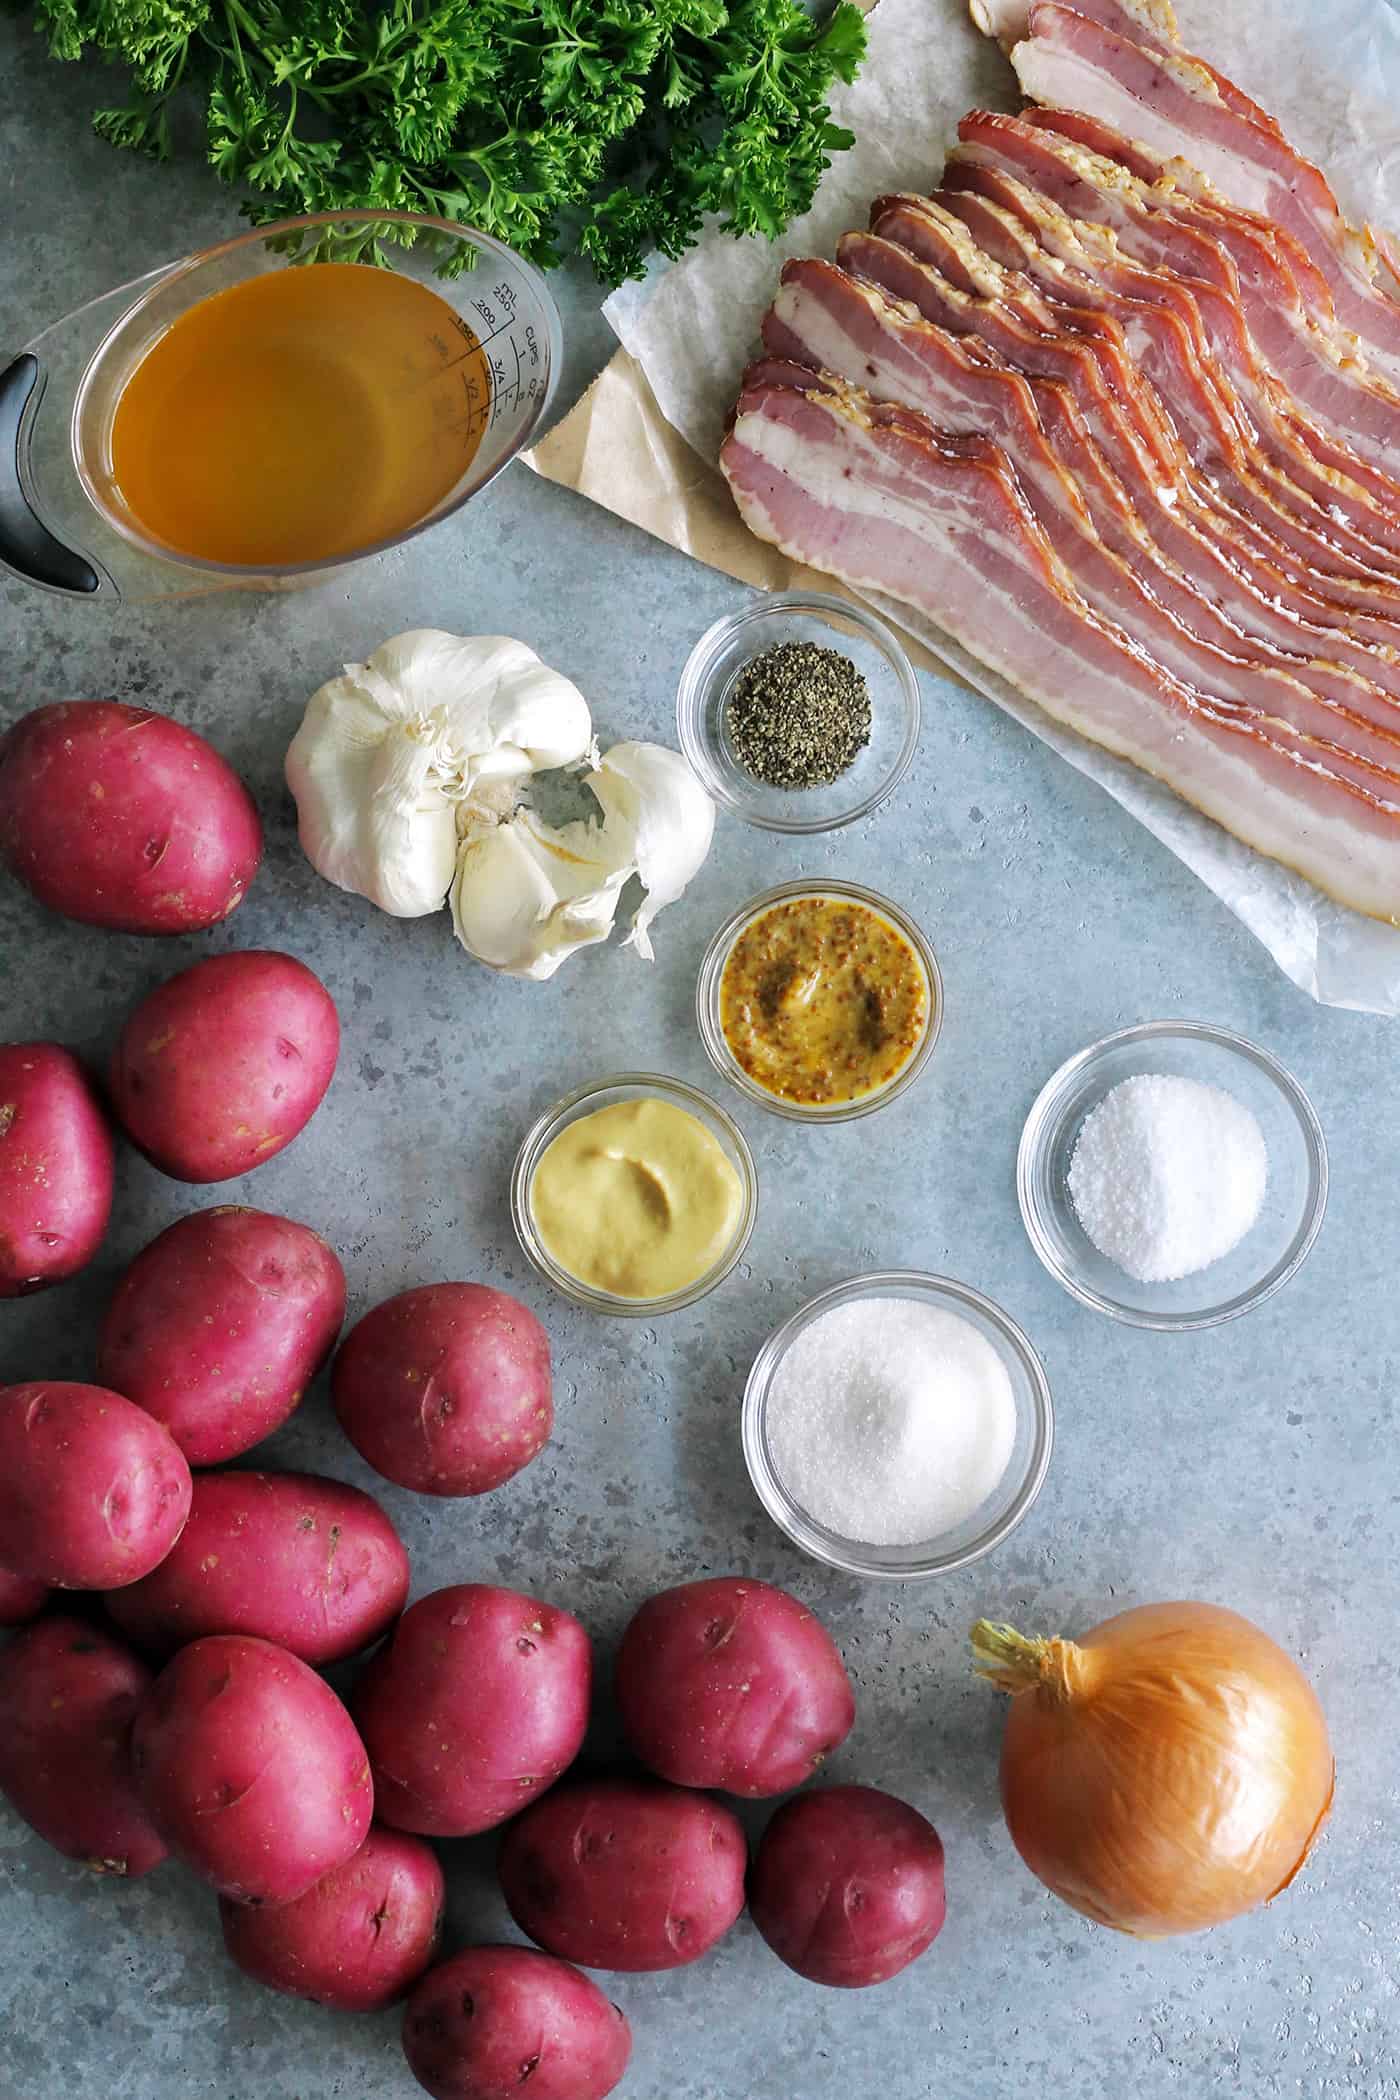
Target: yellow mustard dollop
(637,1199)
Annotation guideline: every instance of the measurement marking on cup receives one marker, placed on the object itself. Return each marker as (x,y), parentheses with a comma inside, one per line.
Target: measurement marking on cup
(506,392)
(478,411)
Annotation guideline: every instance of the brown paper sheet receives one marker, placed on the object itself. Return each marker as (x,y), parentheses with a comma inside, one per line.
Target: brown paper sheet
(617,448)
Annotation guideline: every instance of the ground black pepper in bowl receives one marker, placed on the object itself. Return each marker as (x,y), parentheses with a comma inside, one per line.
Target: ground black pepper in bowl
(798,715)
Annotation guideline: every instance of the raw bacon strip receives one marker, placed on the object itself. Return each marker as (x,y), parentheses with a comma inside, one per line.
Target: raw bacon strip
(997,230)
(991,206)
(1257,594)
(1162,224)
(1158,230)
(1173,106)
(1170,371)
(1107,386)
(1078,265)
(1249,601)
(822,318)
(1150,23)
(1077,127)
(942,525)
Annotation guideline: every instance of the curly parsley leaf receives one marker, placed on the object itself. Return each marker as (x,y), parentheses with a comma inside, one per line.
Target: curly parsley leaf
(613,126)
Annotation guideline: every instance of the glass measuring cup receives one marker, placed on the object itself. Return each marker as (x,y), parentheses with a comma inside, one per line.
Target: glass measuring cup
(490,372)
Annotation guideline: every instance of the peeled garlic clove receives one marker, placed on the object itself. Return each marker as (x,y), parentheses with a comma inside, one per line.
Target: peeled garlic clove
(527,895)
(392,759)
(650,795)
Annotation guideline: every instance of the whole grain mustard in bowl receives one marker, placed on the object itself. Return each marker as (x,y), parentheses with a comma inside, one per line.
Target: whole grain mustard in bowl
(821,1001)
(634,1195)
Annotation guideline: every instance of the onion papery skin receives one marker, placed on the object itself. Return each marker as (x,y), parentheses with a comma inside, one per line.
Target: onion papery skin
(1167,1772)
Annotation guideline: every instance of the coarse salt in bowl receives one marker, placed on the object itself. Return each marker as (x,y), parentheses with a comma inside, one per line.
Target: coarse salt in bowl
(1001,1508)
(1295,1189)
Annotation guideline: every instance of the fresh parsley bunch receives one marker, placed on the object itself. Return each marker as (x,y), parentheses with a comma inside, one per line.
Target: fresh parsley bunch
(618,125)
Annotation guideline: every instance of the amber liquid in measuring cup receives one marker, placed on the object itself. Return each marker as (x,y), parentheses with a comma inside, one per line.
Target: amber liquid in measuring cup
(304,414)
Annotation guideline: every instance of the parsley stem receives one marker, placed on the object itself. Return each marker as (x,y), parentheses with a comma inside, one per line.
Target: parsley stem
(233,14)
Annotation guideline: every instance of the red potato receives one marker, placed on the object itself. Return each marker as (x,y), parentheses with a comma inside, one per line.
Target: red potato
(625,1873)
(56,1167)
(68,1694)
(359,1940)
(21,1598)
(119,817)
(477,1703)
(308,1563)
(495,2021)
(446,1389)
(221,1066)
(93,1493)
(847,1886)
(732,1684)
(219,1326)
(251,1770)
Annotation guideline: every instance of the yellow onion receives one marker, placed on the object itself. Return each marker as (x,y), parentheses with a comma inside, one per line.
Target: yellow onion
(1167,1772)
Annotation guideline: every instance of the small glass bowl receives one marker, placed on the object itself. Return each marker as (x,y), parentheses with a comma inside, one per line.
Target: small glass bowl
(602,1093)
(1294,1199)
(833,623)
(707,1004)
(1003,1509)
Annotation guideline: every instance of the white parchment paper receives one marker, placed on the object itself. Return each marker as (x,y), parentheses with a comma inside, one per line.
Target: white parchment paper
(1329,70)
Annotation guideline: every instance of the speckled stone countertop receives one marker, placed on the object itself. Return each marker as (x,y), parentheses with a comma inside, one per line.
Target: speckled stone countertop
(1255,1465)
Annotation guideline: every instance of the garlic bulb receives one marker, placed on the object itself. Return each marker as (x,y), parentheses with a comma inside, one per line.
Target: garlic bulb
(394,759)
(407,771)
(527,894)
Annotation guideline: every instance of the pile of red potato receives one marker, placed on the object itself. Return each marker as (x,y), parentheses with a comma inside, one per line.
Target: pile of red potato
(180,1711)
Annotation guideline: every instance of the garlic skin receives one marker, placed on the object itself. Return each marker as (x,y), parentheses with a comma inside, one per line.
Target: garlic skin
(395,759)
(527,894)
(651,793)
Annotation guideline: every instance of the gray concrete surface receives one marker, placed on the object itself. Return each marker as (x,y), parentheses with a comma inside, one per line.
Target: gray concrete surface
(1255,1465)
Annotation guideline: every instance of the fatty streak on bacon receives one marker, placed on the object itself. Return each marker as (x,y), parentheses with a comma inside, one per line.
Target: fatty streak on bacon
(1171,103)
(824,318)
(941,523)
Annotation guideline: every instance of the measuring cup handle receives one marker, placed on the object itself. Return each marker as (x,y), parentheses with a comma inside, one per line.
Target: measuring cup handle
(26,544)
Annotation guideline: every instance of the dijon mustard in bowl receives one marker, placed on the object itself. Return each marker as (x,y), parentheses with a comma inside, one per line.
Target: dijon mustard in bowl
(634,1195)
(821,1001)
